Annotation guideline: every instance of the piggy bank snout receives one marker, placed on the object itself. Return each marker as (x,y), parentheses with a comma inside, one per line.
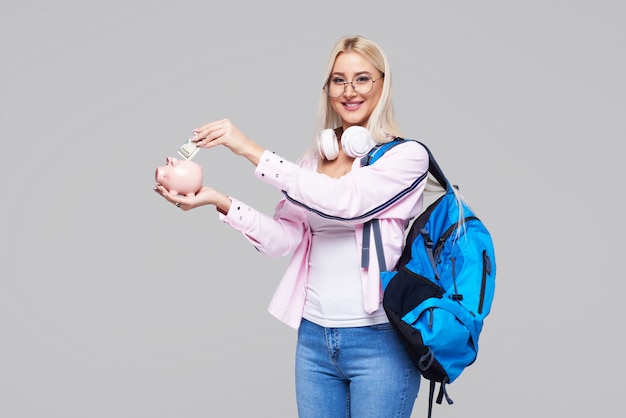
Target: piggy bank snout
(159,175)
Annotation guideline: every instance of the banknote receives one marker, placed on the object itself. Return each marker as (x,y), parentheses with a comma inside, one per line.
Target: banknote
(189,149)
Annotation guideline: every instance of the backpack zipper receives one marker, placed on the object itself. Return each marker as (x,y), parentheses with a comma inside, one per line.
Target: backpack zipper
(456,296)
(438,248)
(483,285)
(431,317)
(444,237)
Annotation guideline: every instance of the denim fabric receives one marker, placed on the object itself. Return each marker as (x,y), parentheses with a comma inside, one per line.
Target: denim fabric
(361,372)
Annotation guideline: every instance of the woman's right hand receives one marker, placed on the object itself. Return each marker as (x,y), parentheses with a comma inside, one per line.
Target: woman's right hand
(224,132)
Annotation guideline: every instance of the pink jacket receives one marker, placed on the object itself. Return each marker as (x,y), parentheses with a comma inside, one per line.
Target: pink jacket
(374,191)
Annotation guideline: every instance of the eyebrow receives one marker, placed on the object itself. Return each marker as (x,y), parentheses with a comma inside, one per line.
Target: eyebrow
(357,73)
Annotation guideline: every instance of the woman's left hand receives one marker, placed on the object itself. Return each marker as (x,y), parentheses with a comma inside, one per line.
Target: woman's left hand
(205,196)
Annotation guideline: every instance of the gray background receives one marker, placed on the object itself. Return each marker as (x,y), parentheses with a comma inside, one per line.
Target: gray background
(114,303)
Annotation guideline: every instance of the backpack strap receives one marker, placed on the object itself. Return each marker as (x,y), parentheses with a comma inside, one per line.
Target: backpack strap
(382,265)
(442,392)
(376,152)
(378,241)
(365,247)
(431,396)
(433,167)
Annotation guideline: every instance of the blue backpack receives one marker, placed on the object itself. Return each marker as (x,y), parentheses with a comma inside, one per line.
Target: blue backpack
(443,285)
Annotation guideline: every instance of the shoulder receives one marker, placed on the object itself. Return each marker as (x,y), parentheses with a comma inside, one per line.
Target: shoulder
(402,160)
(404,149)
(412,145)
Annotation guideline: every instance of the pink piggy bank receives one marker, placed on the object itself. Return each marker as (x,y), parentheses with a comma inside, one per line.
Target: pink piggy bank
(180,177)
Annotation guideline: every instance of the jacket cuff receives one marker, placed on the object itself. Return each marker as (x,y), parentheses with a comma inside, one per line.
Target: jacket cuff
(239,215)
(274,170)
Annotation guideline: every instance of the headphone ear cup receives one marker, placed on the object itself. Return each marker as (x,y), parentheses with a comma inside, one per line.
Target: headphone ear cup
(356,141)
(327,144)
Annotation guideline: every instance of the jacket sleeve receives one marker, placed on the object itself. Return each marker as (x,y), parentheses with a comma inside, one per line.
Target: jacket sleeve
(357,196)
(275,236)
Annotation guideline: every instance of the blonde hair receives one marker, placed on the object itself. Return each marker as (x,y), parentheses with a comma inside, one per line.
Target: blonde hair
(382,122)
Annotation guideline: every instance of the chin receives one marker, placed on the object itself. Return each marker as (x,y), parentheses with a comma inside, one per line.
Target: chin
(354,120)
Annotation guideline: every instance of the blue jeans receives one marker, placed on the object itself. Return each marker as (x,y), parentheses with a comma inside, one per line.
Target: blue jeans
(361,372)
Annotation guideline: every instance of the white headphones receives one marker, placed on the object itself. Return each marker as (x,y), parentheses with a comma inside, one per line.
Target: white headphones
(356,141)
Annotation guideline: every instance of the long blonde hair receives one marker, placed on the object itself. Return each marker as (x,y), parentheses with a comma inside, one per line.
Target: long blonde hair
(382,122)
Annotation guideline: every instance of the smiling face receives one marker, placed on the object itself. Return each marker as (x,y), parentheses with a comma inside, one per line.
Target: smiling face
(352,107)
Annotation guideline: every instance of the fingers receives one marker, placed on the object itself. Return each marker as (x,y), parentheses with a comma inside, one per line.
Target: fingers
(175,200)
(212,134)
(209,139)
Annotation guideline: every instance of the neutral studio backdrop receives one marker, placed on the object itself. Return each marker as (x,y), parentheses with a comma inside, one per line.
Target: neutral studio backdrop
(115,304)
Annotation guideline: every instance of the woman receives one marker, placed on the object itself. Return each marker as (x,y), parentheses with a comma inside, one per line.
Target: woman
(349,361)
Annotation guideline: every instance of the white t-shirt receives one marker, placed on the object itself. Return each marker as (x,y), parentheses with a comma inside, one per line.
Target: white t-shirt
(334,294)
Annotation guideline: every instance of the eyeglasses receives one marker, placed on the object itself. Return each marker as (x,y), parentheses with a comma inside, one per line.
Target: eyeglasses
(362,84)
